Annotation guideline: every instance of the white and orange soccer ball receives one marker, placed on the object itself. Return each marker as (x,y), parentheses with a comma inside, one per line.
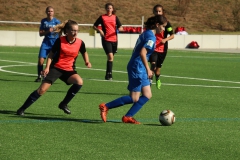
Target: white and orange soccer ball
(167,118)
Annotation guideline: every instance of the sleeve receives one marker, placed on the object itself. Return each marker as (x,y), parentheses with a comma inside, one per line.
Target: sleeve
(149,42)
(118,22)
(41,25)
(56,46)
(98,21)
(58,21)
(169,28)
(82,48)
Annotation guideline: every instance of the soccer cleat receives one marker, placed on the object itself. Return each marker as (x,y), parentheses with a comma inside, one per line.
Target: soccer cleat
(158,84)
(20,112)
(103,111)
(126,119)
(38,80)
(64,107)
(108,76)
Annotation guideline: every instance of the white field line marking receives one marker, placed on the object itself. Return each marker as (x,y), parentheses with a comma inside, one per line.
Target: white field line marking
(167,84)
(201,79)
(31,64)
(120,55)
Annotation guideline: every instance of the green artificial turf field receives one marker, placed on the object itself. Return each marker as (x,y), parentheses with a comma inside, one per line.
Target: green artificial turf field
(201,88)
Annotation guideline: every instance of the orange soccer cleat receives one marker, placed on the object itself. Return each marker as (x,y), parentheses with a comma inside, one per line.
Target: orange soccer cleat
(103,111)
(126,119)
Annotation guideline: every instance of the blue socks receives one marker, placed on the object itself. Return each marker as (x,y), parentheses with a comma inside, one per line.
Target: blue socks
(128,100)
(71,93)
(119,102)
(137,106)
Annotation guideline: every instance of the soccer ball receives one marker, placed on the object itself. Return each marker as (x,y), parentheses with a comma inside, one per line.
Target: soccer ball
(167,118)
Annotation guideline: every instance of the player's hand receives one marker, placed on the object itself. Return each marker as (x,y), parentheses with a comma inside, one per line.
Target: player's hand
(51,29)
(45,72)
(150,73)
(164,41)
(88,64)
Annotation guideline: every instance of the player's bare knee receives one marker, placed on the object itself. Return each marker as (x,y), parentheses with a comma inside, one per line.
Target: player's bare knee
(41,91)
(149,95)
(135,99)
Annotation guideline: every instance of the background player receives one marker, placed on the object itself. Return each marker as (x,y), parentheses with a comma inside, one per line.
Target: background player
(46,30)
(110,25)
(160,52)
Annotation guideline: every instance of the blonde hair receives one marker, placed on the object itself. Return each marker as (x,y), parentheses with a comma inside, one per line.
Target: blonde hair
(63,27)
(49,7)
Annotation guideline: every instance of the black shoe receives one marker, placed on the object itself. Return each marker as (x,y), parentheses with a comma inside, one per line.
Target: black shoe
(108,76)
(20,112)
(64,107)
(38,80)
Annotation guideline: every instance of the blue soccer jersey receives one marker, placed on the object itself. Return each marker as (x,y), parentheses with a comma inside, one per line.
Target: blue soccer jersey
(49,38)
(45,25)
(137,73)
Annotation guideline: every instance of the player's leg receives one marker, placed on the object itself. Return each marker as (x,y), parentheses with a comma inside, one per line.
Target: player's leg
(138,99)
(160,60)
(41,57)
(107,46)
(51,77)
(70,78)
(33,97)
(104,107)
(153,61)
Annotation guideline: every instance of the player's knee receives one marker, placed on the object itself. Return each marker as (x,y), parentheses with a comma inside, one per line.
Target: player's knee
(135,99)
(148,95)
(79,81)
(41,91)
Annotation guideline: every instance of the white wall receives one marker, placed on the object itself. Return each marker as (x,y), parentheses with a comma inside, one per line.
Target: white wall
(26,38)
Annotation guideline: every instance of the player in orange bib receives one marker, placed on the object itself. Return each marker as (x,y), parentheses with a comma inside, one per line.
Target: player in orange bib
(160,53)
(61,64)
(110,25)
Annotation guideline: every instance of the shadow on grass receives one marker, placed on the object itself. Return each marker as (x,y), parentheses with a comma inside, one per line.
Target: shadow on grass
(44,118)
(92,93)
(14,113)
(41,118)
(12,80)
(154,125)
(55,119)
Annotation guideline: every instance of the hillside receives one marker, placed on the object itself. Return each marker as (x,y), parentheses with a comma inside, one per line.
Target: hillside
(205,16)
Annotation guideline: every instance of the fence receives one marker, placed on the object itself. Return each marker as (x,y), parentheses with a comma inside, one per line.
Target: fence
(127,40)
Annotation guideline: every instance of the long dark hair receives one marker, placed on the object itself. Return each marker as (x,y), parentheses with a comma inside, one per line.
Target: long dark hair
(110,4)
(160,6)
(152,21)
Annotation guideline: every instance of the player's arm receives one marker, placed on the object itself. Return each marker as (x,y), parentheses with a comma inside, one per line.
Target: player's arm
(119,25)
(85,56)
(143,54)
(95,26)
(48,63)
(43,32)
(169,30)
